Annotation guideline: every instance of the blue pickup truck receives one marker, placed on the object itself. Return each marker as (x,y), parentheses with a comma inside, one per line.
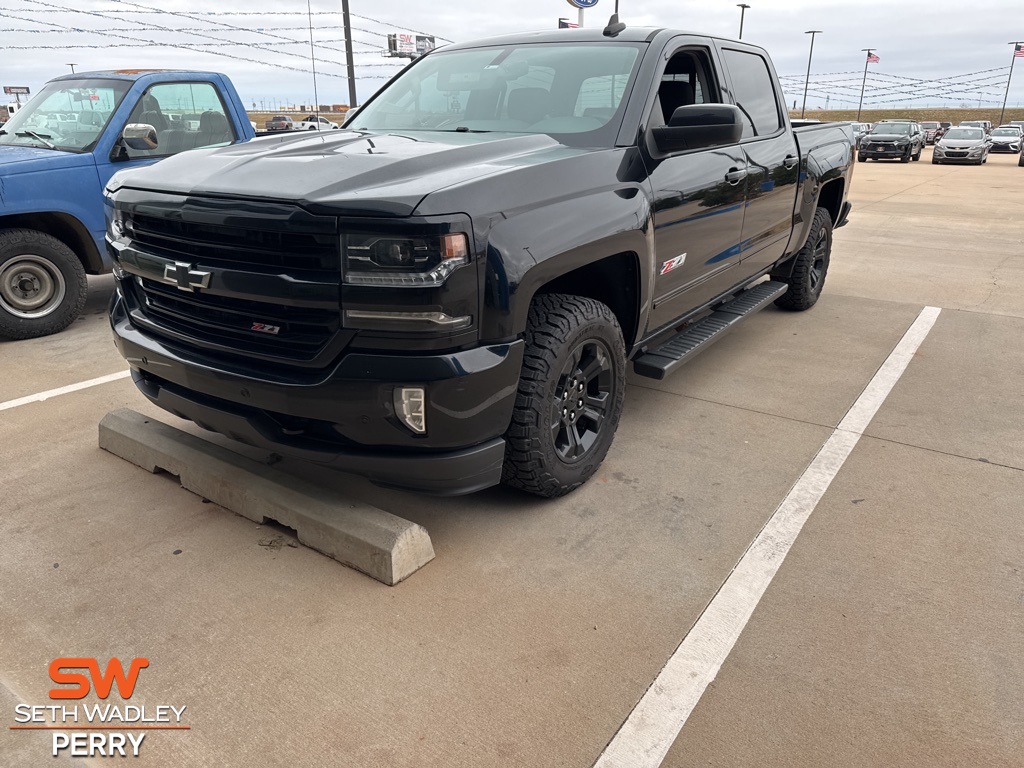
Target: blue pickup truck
(56,155)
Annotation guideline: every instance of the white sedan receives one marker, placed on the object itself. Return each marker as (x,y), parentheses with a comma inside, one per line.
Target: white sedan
(315,122)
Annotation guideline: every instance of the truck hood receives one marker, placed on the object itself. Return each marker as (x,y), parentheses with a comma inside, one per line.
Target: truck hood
(348,173)
(38,158)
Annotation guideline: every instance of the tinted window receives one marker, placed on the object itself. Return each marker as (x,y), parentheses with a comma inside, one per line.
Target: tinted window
(754,93)
(542,88)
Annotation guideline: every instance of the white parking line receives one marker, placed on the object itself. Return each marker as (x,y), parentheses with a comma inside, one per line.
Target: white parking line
(40,396)
(653,725)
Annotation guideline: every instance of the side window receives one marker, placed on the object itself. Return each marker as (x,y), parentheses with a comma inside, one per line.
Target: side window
(754,93)
(185,115)
(684,82)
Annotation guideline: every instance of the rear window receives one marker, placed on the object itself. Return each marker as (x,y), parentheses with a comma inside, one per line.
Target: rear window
(754,93)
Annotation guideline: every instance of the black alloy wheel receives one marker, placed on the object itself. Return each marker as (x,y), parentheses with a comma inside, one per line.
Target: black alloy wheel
(583,395)
(569,397)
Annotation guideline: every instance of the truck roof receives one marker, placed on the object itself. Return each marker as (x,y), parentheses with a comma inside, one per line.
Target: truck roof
(588,35)
(135,74)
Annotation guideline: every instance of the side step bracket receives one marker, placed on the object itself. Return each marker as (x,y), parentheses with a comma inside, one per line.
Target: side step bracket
(687,344)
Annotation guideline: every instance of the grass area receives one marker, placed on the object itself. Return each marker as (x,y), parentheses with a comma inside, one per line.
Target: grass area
(954,116)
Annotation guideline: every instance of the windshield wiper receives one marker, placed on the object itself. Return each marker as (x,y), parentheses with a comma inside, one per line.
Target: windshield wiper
(38,137)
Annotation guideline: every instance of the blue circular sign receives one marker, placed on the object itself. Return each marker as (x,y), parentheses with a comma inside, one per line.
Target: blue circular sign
(583,3)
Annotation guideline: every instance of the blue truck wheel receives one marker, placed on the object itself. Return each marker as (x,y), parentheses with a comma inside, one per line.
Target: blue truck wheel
(42,284)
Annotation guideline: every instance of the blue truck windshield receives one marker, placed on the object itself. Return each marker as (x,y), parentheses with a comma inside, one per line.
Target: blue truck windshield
(543,88)
(66,115)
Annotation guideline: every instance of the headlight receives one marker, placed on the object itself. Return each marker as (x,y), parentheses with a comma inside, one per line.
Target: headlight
(405,262)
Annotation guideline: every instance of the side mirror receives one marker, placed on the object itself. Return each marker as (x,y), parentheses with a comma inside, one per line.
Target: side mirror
(140,136)
(700,126)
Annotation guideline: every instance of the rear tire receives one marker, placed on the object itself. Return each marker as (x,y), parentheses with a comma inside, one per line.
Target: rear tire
(570,395)
(810,266)
(42,284)
(918,155)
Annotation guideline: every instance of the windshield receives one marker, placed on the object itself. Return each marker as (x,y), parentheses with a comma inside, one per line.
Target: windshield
(929,125)
(67,114)
(1006,132)
(892,129)
(543,88)
(971,125)
(964,134)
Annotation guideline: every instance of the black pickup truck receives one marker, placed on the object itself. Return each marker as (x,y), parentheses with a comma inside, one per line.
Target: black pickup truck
(446,295)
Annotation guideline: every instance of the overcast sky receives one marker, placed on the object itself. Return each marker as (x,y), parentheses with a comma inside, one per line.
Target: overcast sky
(918,39)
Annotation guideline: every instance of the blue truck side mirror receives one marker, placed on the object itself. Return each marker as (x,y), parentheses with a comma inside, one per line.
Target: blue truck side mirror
(140,136)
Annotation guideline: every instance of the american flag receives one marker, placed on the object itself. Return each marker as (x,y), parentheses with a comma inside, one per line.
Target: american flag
(872,59)
(1018,51)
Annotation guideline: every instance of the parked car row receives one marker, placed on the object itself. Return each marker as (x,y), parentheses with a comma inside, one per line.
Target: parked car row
(970,142)
(308,123)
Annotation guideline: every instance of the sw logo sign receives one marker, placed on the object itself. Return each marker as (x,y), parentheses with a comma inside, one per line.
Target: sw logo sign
(101,681)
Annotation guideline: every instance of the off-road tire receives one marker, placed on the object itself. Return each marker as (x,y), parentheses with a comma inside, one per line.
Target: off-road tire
(558,327)
(45,258)
(810,266)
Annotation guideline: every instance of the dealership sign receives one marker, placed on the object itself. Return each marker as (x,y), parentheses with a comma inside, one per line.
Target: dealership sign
(410,46)
(12,90)
(583,3)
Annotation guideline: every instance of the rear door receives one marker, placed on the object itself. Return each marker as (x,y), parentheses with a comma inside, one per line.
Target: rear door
(698,195)
(772,155)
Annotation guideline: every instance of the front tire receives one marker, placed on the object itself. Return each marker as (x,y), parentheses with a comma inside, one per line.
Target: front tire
(810,266)
(862,158)
(42,284)
(570,395)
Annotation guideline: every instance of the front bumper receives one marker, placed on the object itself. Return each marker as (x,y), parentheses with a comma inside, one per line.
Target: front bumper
(887,152)
(343,416)
(967,159)
(1013,149)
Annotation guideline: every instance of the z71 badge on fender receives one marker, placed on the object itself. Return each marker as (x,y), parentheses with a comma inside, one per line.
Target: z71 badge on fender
(671,264)
(264,328)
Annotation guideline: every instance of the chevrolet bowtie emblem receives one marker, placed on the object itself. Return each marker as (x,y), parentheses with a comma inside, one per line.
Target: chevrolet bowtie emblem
(186,278)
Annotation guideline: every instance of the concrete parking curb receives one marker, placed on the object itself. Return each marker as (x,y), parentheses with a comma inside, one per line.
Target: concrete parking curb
(368,539)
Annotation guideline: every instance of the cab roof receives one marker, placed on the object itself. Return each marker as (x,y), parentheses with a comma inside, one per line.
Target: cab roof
(588,35)
(134,74)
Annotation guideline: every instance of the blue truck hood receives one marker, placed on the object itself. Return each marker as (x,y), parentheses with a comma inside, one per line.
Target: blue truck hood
(38,158)
(347,172)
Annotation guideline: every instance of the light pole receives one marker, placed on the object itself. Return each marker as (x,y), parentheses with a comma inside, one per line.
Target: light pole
(743,9)
(1017,51)
(72,68)
(812,33)
(349,66)
(867,60)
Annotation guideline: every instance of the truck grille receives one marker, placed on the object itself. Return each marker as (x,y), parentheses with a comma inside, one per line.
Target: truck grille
(275,289)
(301,332)
(254,249)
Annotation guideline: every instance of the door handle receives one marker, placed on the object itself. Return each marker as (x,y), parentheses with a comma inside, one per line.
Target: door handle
(790,162)
(735,175)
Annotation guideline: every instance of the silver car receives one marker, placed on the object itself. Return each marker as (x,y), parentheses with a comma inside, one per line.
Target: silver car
(962,145)
(1006,139)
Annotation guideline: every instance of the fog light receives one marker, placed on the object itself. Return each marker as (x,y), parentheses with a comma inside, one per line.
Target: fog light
(410,405)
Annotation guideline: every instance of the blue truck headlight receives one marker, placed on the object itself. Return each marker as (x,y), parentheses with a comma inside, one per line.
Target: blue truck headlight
(414,262)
